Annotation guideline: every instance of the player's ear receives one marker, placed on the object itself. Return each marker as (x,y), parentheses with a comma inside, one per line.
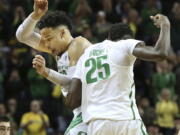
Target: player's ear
(61,32)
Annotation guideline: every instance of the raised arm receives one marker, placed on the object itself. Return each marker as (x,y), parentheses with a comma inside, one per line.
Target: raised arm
(39,64)
(26,31)
(160,50)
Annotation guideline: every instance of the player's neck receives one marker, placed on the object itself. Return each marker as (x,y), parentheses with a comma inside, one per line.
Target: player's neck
(70,41)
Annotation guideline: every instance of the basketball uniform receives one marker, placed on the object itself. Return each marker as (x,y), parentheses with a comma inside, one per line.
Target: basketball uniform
(108,90)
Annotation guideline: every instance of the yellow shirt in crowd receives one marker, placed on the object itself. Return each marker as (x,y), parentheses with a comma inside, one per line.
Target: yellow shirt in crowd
(36,127)
(166,111)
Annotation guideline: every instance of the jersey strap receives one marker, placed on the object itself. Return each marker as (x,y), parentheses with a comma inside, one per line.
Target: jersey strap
(132,103)
(74,123)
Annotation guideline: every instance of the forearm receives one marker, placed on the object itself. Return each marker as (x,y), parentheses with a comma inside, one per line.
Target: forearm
(45,123)
(163,43)
(24,126)
(73,99)
(26,34)
(58,78)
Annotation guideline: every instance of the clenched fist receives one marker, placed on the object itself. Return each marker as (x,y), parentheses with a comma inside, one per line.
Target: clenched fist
(40,8)
(160,20)
(39,64)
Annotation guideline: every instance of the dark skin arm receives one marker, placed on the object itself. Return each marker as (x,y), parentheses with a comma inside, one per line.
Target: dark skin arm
(160,51)
(157,53)
(73,99)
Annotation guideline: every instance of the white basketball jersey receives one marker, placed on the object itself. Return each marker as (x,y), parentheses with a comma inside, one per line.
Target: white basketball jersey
(108,90)
(64,68)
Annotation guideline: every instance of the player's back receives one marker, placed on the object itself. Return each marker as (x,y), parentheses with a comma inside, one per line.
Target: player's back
(108,84)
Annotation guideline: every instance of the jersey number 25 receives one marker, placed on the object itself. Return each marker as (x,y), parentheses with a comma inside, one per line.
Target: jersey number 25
(96,64)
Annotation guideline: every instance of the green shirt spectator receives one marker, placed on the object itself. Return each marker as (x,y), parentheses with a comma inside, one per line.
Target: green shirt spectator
(39,86)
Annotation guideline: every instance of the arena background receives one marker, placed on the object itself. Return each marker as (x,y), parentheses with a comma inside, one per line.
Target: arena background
(155,82)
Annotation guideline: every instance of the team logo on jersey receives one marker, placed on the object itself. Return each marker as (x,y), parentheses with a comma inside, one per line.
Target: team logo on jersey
(63,69)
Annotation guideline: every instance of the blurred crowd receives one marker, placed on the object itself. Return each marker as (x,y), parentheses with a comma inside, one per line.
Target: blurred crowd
(32,102)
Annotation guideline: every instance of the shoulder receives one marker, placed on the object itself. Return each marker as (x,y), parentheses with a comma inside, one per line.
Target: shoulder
(80,39)
(82,42)
(45,116)
(26,114)
(77,48)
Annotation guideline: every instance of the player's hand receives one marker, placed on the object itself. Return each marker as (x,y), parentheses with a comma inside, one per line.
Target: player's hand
(160,20)
(40,8)
(39,64)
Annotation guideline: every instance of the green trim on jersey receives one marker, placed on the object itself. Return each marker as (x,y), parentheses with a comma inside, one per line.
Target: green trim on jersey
(142,125)
(82,133)
(76,121)
(132,104)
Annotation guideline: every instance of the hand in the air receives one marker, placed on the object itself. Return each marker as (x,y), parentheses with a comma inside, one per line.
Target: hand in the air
(40,8)
(160,20)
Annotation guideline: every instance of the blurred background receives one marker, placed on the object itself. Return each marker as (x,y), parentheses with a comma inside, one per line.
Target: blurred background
(157,84)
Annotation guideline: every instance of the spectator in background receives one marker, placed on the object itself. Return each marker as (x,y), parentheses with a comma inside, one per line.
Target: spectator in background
(13,61)
(2,110)
(164,78)
(150,8)
(5,22)
(19,16)
(12,114)
(5,126)
(39,86)
(87,33)
(82,16)
(175,26)
(13,85)
(126,7)
(12,109)
(1,79)
(153,129)
(1,88)
(133,20)
(147,113)
(118,7)
(83,12)
(177,73)
(35,122)
(107,5)
(166,110)
(101,26)
(108,8)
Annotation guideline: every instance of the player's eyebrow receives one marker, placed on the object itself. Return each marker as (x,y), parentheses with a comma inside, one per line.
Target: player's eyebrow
(2,128)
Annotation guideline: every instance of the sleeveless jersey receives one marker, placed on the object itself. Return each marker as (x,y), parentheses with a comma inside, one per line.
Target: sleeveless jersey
(106,72)
(64,68)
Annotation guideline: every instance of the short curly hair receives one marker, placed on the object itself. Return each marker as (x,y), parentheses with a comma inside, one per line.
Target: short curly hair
(54,19)
(118,31)
(4,119)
